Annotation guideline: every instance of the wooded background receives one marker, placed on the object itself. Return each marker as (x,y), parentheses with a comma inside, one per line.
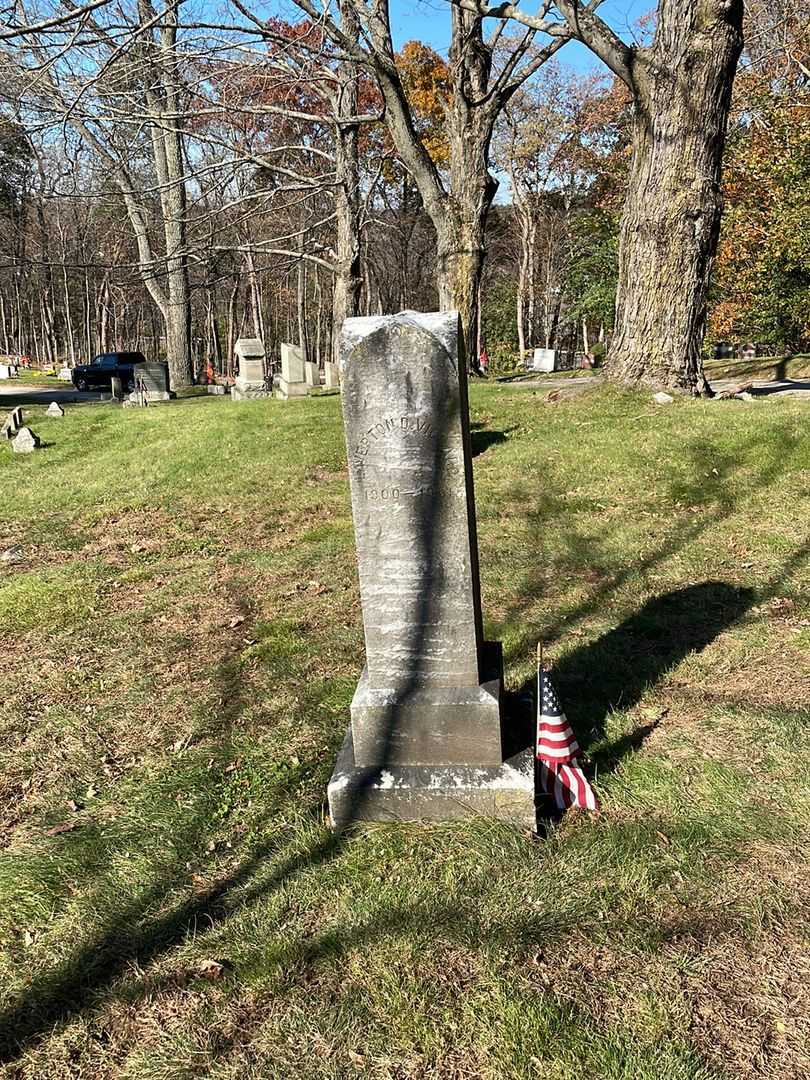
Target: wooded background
(171,180)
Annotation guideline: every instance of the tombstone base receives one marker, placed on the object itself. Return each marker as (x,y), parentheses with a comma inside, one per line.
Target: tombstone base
(286,390)
(431,725)
(432,792)
(249,392)
(152,396)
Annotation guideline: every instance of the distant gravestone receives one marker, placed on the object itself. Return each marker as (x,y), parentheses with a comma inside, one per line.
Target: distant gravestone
(250,382)
(5,371)
(723,350)
(544,360)
(425,738)
(312,374)
(331,379)
(55,410)
(12,423)
(217,389)
(151,382)
(116,388)
(25,441)
(292,381)
(65,375)
(749,351)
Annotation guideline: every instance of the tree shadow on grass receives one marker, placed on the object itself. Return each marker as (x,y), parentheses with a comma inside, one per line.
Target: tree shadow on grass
(481,438)
(616,670)
(712,490)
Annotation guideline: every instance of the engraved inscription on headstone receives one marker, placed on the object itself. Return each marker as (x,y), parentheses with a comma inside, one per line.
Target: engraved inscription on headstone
(416,546)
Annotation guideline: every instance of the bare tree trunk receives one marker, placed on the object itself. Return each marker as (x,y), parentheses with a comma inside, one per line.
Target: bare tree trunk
(5,326)
(348,281)
(104,315)
(232,322)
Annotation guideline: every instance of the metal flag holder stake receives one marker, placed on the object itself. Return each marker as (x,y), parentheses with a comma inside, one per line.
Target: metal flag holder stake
(560,774)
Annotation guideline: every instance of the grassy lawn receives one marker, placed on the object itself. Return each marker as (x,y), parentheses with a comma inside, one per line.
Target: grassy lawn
(180,646)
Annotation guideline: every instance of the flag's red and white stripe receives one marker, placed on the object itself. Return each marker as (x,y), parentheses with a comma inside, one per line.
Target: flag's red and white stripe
(561,777)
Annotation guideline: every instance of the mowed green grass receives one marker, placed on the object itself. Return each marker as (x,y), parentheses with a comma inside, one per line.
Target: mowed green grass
(179,650)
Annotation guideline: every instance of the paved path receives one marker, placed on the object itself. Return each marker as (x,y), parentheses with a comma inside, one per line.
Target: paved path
(550,383)
(799,388)
(15,392)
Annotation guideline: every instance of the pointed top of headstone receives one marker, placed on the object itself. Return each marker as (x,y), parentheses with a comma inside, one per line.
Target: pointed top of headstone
(55,409)
(25,441)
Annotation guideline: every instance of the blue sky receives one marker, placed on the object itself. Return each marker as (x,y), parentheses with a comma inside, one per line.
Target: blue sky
(428,21)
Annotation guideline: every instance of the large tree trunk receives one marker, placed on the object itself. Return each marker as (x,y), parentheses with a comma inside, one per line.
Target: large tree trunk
(670,226)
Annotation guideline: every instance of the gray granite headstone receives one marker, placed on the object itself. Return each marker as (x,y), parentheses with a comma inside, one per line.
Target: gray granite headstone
(292,381)
(151,382)
(312,374)
(426,735)
(25,441)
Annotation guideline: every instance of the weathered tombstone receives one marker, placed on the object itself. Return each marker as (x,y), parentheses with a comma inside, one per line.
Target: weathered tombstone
(218,389)
(12,423)
(250,380)
(151,382)
(544,360)
(331,379)
(312,374)
(116,388)
(65,375)
(5,371)
(55,410)
(25,441)
(292,381)
(425,738)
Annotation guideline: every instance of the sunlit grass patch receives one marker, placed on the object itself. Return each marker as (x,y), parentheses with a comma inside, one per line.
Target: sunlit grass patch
(181,644)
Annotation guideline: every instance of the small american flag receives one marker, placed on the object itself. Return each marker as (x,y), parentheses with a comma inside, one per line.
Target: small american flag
(561,777)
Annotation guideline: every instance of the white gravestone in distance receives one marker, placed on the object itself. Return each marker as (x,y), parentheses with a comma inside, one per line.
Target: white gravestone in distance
(293,381)
(312,374)
(250,382)
(331,379)
(25,441)
(426,738)
(544,360)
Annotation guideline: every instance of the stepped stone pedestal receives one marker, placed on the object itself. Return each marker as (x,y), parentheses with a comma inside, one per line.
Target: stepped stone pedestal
(427,738)
(249,383)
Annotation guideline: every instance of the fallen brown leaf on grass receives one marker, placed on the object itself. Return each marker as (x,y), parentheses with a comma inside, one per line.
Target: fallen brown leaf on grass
(212,969)
(66,826)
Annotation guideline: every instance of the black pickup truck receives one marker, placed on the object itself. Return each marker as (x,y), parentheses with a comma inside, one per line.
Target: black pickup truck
(101,369)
